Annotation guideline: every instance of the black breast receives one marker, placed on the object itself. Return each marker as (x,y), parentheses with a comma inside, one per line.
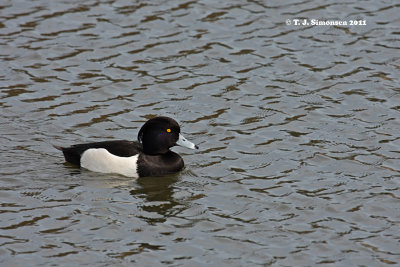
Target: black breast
(156,165)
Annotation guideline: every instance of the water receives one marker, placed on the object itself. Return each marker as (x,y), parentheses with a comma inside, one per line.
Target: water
(298,128)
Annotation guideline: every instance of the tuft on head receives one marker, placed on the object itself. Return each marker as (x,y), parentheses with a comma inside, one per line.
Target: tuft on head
(58,147)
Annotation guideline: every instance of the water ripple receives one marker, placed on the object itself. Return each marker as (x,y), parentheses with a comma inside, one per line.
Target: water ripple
(297,127)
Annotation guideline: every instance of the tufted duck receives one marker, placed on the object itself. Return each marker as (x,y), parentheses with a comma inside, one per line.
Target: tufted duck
(150,156)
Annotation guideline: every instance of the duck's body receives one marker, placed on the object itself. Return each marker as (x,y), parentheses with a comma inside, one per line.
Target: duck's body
(148,157)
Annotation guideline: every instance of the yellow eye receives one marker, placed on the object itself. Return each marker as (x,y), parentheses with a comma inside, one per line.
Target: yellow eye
(168,130)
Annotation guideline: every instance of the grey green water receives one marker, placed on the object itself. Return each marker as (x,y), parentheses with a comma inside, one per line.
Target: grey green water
(298,127)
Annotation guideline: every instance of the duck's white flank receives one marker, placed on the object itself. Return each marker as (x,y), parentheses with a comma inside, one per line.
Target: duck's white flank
(100,160)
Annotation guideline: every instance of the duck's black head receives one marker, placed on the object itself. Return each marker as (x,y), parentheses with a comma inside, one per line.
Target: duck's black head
(159,134)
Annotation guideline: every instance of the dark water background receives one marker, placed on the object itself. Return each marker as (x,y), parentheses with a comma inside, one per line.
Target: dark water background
(298,127)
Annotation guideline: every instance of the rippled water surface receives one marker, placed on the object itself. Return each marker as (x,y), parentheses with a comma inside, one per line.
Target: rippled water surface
(298,127)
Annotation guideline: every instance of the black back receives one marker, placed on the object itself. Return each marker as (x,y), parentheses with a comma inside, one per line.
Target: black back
(121,148)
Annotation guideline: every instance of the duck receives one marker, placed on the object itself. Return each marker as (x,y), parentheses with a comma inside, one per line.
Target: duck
(150,155)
